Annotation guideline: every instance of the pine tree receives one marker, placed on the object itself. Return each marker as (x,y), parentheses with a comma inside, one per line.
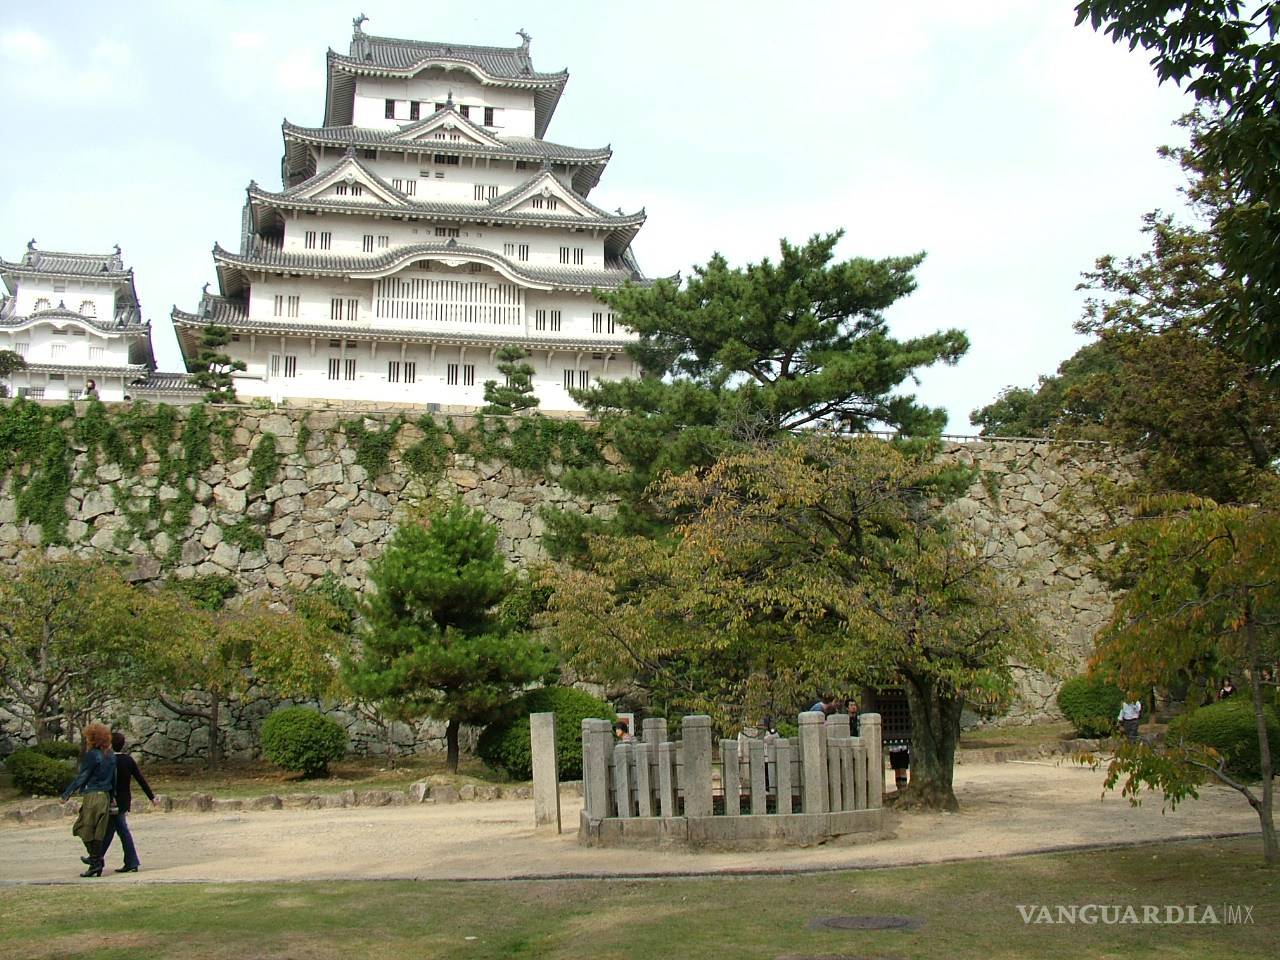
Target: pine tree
(516,393)
(433,643)
(213,367)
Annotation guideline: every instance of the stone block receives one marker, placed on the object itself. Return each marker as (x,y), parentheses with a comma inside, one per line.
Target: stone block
(43,812)
(443,793)
(224,806)
(347,798)
(267,802)
(194,803)
(300,801)
(230,499)
(374,798)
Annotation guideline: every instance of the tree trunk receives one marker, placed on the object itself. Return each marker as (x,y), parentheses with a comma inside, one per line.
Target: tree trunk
(1266,809)
(451,745)
(935,731)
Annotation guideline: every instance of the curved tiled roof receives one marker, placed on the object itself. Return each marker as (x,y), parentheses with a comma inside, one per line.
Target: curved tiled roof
(515,148)
(511,63)
(590,161)
(624,226)
(386,262)
(130,322)
(222,314)
(392,57)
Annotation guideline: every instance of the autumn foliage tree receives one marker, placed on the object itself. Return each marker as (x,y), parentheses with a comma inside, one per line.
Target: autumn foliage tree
(1205,587)
(75,635)
(223,651)
(810,562)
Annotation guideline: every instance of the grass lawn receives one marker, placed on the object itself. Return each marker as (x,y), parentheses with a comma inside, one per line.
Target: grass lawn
(966,911)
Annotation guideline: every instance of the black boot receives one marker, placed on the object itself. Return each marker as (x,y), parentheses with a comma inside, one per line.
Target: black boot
(95,859)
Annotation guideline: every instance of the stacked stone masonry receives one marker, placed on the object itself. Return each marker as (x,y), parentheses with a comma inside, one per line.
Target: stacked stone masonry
(326,515)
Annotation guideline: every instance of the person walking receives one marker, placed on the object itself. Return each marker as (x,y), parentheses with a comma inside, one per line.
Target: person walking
(126,770)
(96,781)
(1130,716)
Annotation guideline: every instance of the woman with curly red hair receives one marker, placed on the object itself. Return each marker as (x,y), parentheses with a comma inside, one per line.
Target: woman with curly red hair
(97,782)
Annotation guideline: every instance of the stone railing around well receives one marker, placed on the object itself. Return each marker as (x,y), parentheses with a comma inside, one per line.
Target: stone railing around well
(822,784)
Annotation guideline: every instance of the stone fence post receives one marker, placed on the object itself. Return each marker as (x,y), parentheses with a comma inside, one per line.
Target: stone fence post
(546,773)
(697,766)
(814,788)
(869,729)
(597,752)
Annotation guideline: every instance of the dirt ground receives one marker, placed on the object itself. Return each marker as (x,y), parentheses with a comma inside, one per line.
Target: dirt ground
(1007,808)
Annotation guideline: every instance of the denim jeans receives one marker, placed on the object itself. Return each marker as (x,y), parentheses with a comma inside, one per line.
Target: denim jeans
(120,824)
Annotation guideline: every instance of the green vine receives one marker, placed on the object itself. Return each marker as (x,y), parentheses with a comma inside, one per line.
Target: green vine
(304,435)
(373,447)
(530,443)
(245,534)
(426,459)
(264,463)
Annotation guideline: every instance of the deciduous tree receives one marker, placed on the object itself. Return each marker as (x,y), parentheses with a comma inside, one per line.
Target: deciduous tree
(809,562)
(1206,587)
(1226,54)
(75,635)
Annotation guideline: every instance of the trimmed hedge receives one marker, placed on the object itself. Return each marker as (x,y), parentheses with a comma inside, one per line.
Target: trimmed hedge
(504,745)
(1091,705)
(39,775)
(303,740)
(1230,727)
(58,750)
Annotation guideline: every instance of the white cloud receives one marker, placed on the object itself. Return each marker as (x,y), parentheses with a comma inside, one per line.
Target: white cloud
(25,46)
(34,67)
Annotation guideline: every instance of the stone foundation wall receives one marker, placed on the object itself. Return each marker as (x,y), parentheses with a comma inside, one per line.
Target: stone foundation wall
(324,514)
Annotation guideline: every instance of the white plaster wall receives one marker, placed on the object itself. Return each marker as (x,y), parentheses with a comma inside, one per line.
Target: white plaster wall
(514,108)
(72,293)
(349,231)
(315,297)
(79,347)
(371,381)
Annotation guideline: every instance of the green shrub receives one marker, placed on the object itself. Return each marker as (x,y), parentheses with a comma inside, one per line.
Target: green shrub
(1230,728)
(38,775)
(504,745)
(58,750)
(1091,705)
(304,740)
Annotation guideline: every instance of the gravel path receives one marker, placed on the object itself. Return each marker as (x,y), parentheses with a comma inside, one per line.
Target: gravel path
(1007,808)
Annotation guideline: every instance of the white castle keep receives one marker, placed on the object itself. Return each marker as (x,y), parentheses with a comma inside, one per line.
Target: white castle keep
(74,319)
(425,226)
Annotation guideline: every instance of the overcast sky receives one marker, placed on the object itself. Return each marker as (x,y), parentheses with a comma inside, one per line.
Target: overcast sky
(1011,146)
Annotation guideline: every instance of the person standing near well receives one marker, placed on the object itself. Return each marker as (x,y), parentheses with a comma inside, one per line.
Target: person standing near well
(126,770)
(96,781)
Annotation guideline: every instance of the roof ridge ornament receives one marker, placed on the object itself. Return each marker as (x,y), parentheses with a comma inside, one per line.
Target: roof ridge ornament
(526,62)
(357,23)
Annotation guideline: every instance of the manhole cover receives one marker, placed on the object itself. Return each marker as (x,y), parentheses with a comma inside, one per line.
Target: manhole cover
(864,923)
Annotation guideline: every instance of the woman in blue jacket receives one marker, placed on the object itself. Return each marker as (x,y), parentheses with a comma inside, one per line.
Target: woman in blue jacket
(97,782)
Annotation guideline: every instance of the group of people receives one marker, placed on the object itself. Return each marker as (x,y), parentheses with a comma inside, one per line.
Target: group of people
(104,782)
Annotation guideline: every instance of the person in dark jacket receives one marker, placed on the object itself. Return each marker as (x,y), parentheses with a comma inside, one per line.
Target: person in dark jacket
(96,781)
(126,770)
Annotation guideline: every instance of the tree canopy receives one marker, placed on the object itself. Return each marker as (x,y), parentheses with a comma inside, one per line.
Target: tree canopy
(1162,380)
(1226,54)
(748,352)
(1205,589)
(809,562)
(434,644)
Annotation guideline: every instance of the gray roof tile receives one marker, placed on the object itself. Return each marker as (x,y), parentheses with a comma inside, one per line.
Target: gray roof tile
(503,62)
(270,258)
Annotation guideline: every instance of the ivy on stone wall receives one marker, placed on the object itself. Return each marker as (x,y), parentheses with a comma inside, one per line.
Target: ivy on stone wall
(40,444)
(264,463)
(427,458)
(245,534)
(373,447)
(533,443)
